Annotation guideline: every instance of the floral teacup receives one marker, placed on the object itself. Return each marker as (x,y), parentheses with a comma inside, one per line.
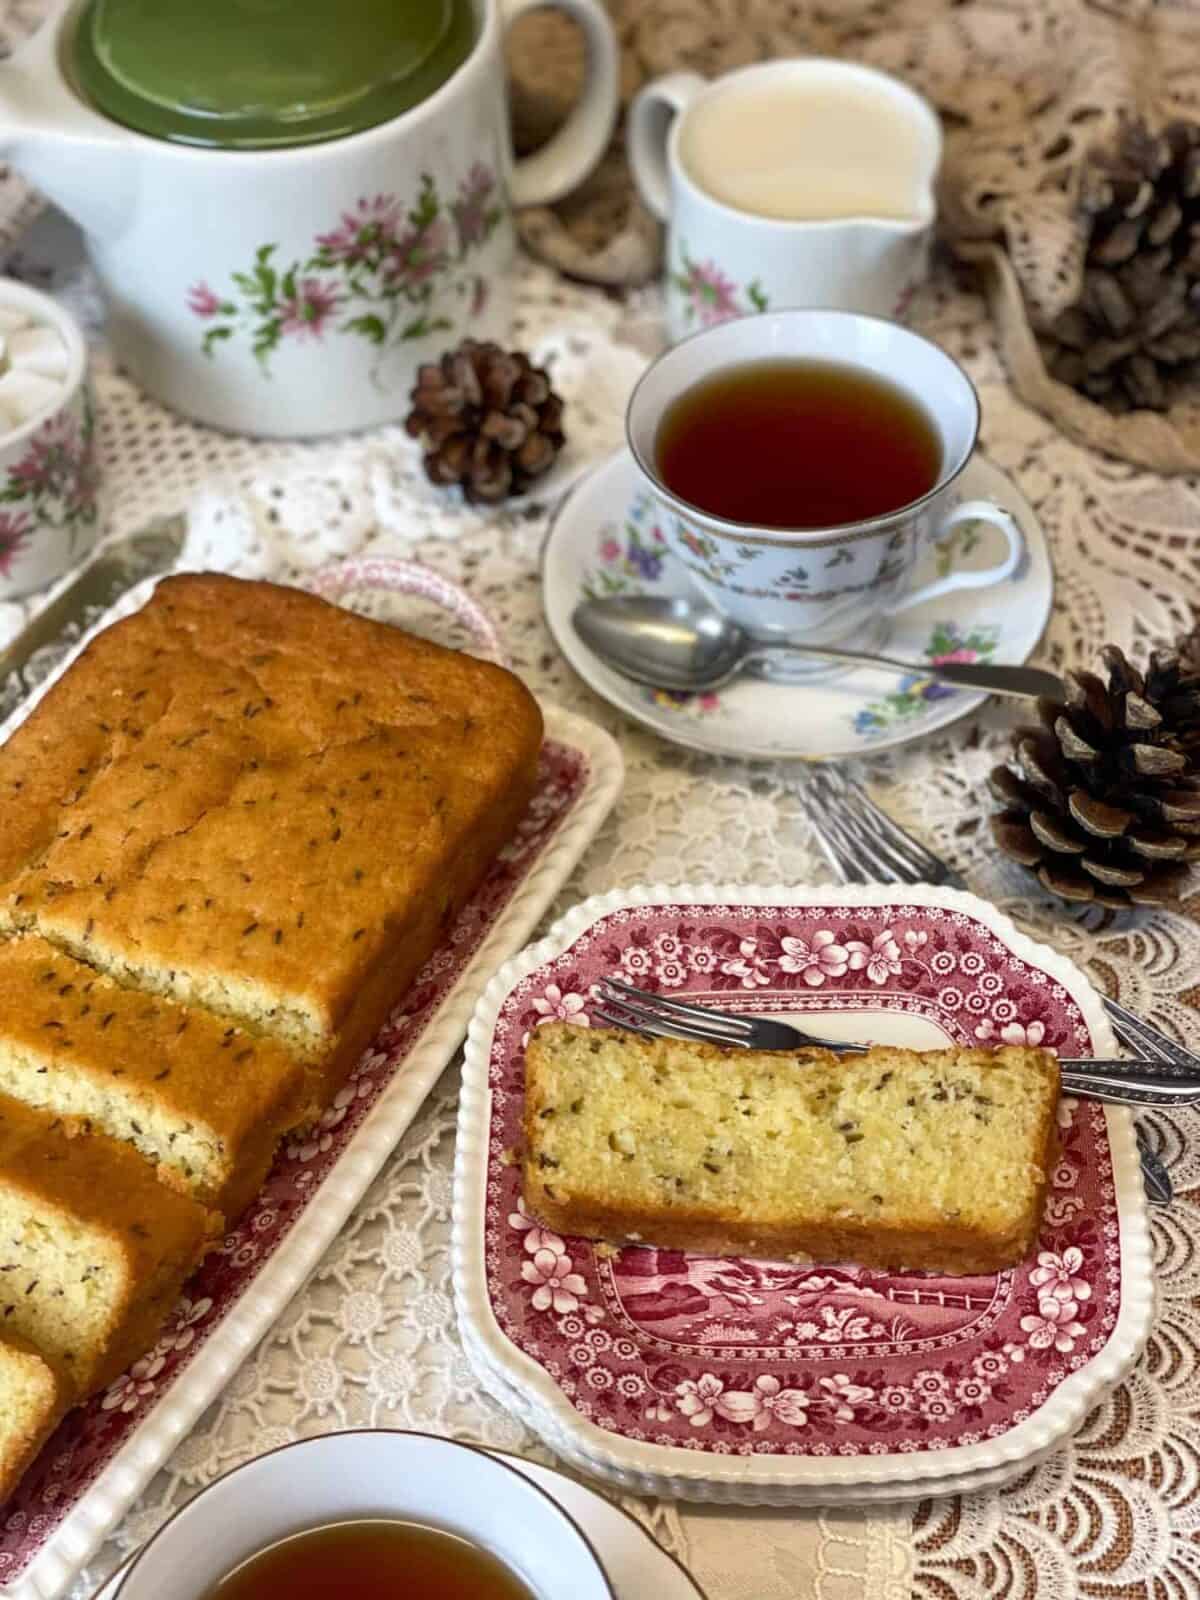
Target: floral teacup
(49,482)
(820,585)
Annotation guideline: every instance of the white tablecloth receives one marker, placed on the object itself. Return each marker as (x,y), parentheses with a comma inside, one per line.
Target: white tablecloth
(372,1338)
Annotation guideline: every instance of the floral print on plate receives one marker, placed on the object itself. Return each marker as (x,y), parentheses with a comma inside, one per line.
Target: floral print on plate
(93,1433)
(766,1357)
(385,273)
(916,691)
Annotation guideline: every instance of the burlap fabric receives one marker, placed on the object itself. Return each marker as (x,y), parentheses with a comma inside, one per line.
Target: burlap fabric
(1025,87)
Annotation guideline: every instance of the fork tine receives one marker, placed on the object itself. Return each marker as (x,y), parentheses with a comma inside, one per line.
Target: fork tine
(645,1023)
(859,823)
(623,993)
(836,846)
(709,1029)
(867,853)
(922,859)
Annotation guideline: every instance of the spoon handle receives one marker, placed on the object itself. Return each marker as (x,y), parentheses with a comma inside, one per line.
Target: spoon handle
(1029,683)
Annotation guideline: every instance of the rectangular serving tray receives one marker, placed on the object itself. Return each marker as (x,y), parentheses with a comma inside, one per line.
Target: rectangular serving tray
(105,1453)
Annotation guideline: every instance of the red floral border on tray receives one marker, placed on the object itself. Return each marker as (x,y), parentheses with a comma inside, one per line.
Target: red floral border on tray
(750,1357)
(92,1434)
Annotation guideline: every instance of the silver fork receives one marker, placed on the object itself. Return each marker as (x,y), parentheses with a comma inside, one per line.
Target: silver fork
(658,1016)
(862,844)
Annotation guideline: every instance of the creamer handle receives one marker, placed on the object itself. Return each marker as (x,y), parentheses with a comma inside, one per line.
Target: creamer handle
(650,117)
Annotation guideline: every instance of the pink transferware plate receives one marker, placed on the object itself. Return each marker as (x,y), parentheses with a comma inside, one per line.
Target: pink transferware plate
(105,1453)
(763,1381)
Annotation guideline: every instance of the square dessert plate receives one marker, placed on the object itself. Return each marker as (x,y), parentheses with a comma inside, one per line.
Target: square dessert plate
(105,1453)
(772,1382)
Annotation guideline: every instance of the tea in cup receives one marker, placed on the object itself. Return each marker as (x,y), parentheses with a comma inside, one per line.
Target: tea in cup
(791,183)
(804,461)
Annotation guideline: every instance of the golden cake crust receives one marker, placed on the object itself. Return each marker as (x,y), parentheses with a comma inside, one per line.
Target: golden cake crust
(250,798)
(686,1203)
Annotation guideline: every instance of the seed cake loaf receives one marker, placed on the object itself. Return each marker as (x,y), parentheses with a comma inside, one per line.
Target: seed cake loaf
(935,1160)
(203,1100)
(251,800)
(33,1400)
(93,1248)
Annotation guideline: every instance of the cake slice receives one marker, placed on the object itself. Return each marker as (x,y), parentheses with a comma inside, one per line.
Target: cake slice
(93,1248)
(33,1400)
(203,1100)
(935,1160)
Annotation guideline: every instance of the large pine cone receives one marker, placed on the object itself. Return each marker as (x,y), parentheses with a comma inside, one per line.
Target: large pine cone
(488,418)
(1105,802)
(1133,339)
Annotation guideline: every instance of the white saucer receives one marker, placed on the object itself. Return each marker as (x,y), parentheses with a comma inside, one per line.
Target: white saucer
(603,541)
(635,1565)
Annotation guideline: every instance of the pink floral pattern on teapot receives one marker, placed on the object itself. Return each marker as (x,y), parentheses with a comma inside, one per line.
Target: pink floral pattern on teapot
(386,273)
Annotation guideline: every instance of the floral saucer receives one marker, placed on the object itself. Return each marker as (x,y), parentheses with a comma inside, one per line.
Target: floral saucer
(604,541)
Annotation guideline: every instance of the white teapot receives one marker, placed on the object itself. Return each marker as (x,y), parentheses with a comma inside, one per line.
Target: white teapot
(290,205)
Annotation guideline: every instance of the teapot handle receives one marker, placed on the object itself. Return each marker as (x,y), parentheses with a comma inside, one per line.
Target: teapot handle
(567,159)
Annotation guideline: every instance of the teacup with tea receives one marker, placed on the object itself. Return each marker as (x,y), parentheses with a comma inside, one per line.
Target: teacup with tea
(366,1515)
(788,183)
(804,461)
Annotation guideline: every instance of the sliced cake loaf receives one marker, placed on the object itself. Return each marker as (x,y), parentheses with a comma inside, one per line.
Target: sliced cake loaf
(935,1160)
(33,1400)
(251,800)
(203,1100)
(93,1248)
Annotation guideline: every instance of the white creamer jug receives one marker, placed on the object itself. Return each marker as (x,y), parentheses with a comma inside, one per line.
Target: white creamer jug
(792,183)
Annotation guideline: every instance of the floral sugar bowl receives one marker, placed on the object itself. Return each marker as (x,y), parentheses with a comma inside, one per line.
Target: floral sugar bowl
(49,482)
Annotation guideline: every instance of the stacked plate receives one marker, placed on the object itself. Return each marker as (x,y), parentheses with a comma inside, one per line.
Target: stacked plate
(766,1382)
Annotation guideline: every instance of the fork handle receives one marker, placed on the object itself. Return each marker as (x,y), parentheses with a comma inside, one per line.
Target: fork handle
(1143,1070)
(1118,1091)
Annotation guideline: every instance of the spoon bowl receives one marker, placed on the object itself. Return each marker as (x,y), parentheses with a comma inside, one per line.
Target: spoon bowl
(665,642)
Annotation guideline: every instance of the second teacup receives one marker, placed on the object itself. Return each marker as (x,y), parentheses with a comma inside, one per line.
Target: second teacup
(812,583)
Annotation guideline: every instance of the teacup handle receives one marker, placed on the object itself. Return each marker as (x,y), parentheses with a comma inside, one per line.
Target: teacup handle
(566,159)
(971,511)
(650,117)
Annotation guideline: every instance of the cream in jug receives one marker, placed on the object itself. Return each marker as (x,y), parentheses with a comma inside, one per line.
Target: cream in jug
(806,151)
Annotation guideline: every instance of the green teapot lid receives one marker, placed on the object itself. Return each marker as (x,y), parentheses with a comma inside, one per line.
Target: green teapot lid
(247,74)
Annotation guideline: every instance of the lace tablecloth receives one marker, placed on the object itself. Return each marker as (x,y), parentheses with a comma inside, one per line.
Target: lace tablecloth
(372,1338)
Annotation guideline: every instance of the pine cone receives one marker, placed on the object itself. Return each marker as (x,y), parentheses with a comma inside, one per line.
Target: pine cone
(1133,338)
(1105,802)
(488,419)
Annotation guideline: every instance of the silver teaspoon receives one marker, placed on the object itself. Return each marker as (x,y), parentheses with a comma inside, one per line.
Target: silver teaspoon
(672,642)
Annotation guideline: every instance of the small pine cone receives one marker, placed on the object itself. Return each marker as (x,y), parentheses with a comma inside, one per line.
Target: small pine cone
(1104,801)
(488,419)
